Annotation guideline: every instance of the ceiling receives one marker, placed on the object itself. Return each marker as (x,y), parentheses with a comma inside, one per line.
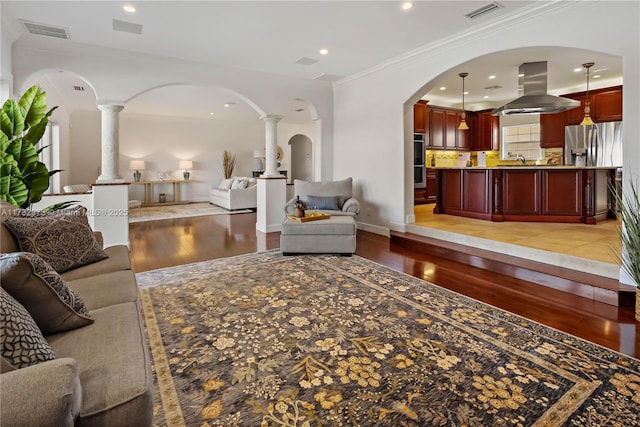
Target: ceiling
(273,36)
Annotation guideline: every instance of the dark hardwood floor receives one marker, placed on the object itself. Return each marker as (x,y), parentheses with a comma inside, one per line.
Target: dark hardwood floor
(165,243)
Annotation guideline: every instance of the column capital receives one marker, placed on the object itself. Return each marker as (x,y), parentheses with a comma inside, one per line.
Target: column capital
(274,118)
(106,106)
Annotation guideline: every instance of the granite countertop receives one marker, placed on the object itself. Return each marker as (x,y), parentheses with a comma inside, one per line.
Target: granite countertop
(527,167)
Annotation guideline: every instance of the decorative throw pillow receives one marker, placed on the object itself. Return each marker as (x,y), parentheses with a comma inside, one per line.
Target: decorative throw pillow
(325,203)
(34,284)
(65,242)
(239,183)
(22,343)
(225,184)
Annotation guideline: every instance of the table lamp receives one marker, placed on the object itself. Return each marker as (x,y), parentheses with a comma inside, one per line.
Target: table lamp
(137,166)
(185,165)
(259,155)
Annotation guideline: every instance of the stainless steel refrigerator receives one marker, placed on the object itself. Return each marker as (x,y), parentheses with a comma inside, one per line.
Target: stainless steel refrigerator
(595,145)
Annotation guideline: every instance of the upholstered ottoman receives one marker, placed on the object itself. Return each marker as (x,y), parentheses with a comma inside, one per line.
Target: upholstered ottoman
(335,235)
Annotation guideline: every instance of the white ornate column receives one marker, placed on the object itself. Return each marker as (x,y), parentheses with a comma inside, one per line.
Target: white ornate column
(110,143)
(271,145)
(272,187)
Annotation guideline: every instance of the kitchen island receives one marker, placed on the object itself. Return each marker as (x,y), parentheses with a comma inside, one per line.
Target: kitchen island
(527,193)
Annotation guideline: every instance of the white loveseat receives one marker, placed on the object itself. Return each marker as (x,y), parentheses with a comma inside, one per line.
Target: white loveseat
(235,193)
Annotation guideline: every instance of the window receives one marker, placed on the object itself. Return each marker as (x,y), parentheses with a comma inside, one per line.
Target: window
(523,140)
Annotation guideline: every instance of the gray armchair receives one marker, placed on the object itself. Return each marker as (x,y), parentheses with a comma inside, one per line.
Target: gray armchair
(335,197)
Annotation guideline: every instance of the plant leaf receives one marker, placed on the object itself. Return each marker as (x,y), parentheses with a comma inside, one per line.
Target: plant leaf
(33,105)
(11,119)
(37,130)
(36,177)
(59,206)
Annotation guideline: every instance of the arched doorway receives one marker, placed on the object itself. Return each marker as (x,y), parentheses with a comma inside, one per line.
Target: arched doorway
(301,158)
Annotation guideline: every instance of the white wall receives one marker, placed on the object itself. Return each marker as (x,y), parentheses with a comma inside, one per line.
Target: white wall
(373,111)
(162,141)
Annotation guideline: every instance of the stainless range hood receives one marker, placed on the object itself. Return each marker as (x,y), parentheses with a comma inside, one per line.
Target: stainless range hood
(533,86)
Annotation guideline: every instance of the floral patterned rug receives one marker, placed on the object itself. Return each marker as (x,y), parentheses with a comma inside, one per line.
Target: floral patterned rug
(267,340)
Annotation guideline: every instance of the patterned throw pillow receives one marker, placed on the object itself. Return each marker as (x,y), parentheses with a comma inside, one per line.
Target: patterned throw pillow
(225,184)
(239,183)
(328,203)
(64,241)
(34,284)
(21,341)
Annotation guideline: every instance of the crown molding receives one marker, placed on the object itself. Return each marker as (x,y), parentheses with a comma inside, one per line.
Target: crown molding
(515,18)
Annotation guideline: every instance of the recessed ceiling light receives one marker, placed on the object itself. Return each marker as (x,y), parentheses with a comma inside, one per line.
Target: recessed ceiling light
(212,113)
(129,8)
(406,5)
(443,88)
(465,92)
(226,105)
(486,97)
(577,70)
(324,51)
(492,77)
(521,75)
(597,76)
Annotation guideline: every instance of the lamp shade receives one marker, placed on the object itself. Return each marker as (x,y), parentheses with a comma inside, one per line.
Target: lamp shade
(136,165)
(258,154)
(186,164)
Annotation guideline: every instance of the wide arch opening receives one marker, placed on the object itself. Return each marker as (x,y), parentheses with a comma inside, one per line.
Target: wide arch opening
(492,82)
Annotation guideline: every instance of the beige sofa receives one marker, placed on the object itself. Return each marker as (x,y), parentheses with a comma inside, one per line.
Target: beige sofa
(101,374)
(228,197)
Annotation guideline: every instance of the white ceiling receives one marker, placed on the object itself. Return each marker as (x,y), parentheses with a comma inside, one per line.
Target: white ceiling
(270,36)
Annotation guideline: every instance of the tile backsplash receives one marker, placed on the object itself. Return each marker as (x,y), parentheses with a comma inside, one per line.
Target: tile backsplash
(447,158)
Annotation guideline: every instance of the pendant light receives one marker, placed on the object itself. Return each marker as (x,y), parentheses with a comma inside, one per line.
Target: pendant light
(463,123)
(587,109)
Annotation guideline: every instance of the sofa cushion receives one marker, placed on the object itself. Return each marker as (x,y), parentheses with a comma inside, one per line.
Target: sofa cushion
(34,284)
(22,342)
(239,183)
(65,242)
(112,355)
(341,188)
(118,259)
(106,289)
(46,394)
(328,203)
(225,184)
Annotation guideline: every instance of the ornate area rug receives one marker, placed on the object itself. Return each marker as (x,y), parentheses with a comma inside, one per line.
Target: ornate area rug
(152,213)
(267,340)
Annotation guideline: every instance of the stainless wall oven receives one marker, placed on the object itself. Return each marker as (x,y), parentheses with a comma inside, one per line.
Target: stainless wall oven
(419,156)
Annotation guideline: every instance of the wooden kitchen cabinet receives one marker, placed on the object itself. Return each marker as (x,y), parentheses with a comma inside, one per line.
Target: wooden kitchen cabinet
(607,105)
(443,130)
(431,195)
(420,117)
(520,193)
(485,131)
(562,193)
(552,130)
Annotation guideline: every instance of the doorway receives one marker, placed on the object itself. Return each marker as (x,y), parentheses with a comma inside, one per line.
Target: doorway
(301,158)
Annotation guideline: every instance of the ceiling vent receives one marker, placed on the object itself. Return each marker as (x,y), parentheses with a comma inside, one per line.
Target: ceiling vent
(484,9)
(306,61)
(78,88)
(45,30)
(494,87)
(127,27)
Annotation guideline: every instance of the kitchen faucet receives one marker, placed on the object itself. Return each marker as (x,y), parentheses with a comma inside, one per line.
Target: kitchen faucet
(521,159)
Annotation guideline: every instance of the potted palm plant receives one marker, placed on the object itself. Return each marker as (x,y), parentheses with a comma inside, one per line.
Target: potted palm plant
(23,178)
(629,206)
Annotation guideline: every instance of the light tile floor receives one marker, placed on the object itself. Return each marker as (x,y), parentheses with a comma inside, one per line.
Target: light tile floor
(598,242)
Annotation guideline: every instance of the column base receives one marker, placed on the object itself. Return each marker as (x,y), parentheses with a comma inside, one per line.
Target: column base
(109,180)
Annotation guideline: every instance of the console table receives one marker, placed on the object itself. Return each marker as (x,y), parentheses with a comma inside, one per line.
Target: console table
(172,199)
